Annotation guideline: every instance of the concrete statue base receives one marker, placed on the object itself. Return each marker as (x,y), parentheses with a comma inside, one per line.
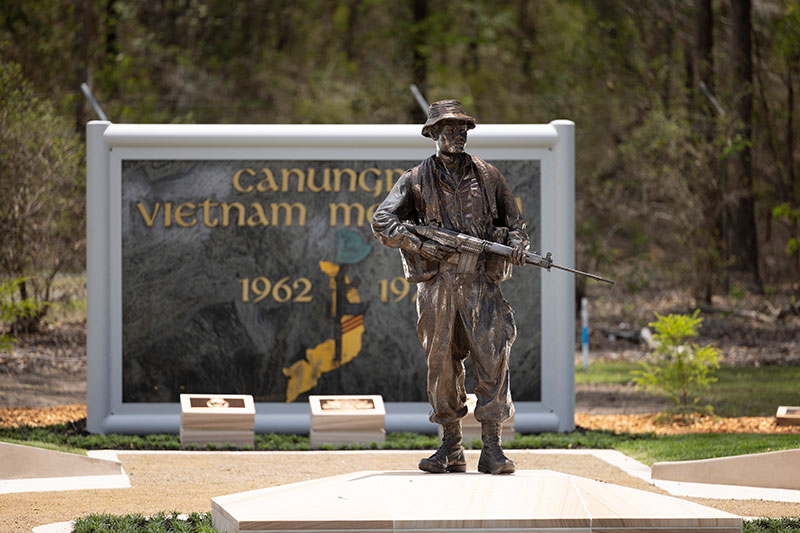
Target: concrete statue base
(530,500)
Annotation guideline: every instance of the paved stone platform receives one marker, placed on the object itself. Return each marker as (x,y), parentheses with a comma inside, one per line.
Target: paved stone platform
(778,470)
(410,502)
(32,469)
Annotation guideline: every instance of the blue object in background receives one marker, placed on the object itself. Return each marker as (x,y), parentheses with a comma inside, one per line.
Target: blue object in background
(585,332)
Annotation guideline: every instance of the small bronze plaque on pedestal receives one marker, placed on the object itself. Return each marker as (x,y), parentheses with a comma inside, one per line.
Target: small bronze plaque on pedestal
(218,419)
(788,416)
(340,420)
(346,404)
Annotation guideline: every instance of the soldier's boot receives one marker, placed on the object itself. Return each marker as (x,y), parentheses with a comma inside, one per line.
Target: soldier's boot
(492,460)
(450,455)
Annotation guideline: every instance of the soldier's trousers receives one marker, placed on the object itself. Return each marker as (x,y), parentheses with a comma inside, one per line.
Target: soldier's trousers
(461,315)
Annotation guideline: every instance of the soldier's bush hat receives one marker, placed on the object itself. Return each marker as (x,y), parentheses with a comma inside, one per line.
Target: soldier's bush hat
(446,110)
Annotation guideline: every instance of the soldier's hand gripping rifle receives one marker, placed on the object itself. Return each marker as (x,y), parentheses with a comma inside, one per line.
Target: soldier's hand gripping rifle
(473,245)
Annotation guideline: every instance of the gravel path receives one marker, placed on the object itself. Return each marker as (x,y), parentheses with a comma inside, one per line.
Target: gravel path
(186,482)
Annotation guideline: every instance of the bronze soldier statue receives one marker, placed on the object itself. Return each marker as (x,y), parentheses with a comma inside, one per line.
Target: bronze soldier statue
(460,308)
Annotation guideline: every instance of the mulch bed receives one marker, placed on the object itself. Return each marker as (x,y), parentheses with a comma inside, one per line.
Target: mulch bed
(41,416)
(647,423)
(638,423)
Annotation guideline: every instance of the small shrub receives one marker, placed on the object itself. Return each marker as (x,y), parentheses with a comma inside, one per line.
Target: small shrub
(159,523)
(790,216)
(12,310)
(737,293)
(680,368)
(771,525)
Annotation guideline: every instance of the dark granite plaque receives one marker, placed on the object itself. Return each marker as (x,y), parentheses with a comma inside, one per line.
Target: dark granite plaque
(263,278)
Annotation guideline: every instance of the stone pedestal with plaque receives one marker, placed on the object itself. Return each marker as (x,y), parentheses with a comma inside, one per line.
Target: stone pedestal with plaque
(342,420)
(788,416)
(217,419)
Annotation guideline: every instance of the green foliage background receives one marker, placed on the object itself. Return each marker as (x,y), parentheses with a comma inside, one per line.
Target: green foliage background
(41,199)
(654,160)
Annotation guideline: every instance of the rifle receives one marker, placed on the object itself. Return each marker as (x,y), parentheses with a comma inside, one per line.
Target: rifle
(468,244)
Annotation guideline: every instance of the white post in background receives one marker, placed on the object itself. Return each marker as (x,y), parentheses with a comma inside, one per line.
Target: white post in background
(98,286)
(585,332)
(558,202)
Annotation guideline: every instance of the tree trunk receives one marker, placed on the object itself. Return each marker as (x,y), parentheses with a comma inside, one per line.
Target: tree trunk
(704,42)
(792,193)
(350,32)
(527,35)
(711,175)
(790,133)
(112,47)
(419,62)
(83,24)
(743,238)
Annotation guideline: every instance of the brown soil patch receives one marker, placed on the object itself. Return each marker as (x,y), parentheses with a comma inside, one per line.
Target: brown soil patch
(45,368)
(41,416)
(646,423)
(632,423)
(750,330)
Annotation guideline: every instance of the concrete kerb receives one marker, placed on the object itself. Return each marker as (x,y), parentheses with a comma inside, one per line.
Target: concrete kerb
(614,458)
(94,478)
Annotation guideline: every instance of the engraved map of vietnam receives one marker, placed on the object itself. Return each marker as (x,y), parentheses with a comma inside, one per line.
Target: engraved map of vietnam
(262,278)
(332,353)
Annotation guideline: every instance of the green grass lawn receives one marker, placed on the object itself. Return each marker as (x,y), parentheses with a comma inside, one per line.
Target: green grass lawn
(602,372)
(703,446)
(55,446)
(739,391)
(645,447)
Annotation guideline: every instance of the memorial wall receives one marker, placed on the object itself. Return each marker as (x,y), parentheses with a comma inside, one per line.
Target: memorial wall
(262,277)
(239,259)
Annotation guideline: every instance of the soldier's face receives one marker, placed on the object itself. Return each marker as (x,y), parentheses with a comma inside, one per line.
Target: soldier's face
(452,138)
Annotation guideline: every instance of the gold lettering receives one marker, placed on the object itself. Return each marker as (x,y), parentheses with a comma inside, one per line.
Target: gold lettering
(259,217)
(362,181)
(167,214)
(519,203)
(326,181)
(289,210)
(390,173)
(207,220)
(337,179)
(347,209)
(268,183)
(237,185)
(180,213)
(301,179)
(148,220)
(226,209)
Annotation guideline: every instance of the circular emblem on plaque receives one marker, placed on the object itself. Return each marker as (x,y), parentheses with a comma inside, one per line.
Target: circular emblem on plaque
(219,403)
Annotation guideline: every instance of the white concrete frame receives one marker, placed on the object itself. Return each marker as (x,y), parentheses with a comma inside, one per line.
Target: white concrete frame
(109,144)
